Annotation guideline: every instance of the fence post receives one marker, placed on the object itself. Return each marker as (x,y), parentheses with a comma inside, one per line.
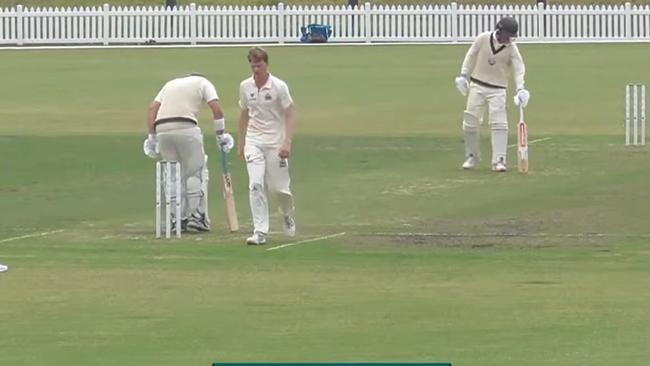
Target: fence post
(193,23)
(19,25)
(628,21)
(366,16)
(281,23)
(541,21)
(454,22)
(105,26)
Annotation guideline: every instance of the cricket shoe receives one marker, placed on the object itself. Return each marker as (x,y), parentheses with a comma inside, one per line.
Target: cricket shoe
(470,162)
(183,225)
(3,268)
(257,238)
(289,225)
(198,222)
(499,166)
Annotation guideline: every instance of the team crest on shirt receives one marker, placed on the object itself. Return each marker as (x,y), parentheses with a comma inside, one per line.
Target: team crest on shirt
(267,97)
(492,61)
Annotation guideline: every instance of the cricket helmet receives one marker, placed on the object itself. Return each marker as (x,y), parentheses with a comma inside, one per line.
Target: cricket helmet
(509,25)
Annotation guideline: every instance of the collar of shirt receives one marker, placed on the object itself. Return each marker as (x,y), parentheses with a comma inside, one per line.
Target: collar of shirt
(266,85)
(496,40)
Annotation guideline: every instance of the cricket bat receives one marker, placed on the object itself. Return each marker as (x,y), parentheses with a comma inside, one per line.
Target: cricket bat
(231,212)
(522,144)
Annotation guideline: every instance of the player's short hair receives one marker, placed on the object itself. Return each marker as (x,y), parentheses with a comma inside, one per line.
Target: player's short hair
(257,54)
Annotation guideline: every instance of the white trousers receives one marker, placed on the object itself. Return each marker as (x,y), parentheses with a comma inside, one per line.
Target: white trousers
(186,146)
(479,99)
(267,172)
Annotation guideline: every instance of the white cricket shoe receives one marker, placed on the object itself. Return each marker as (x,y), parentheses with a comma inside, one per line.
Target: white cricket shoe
(470,162)
(257,238)
(289,226)
(3,268)
(499,166)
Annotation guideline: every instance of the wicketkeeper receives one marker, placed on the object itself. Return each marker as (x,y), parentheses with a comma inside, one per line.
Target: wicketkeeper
(174,134)
(491,59)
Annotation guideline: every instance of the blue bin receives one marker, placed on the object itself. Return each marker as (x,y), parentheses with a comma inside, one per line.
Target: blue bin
(315,33)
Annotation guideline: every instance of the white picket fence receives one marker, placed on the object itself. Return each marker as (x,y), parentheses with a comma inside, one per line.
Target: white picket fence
(193,24)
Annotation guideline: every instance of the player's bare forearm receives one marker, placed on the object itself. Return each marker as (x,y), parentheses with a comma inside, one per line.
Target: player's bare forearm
(151,116)
(217,116)
(217,112)
(290,125)
(243,126)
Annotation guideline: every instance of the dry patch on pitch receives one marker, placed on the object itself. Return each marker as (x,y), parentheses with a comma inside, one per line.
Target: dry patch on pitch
(428,186)
(486,240)
(512,233)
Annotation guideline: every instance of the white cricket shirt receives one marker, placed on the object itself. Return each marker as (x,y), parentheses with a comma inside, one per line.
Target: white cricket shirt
(266,106)
(183,97)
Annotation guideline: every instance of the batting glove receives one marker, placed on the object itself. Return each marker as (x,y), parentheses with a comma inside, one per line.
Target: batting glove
(462,85)
(522,97)
(226,142)
(151,146)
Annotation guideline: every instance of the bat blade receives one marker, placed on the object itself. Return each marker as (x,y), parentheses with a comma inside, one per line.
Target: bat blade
(228,195)
(522,146)
(231,211)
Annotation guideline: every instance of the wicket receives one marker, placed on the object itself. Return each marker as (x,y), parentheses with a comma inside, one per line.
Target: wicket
(168,194)
(636,100)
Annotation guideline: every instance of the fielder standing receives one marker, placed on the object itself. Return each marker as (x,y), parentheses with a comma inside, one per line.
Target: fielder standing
(491,59)
(174,134)
(266,125)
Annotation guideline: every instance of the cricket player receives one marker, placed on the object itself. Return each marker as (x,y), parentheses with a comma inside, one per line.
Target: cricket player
(491,59)
(174,134)
(266,125)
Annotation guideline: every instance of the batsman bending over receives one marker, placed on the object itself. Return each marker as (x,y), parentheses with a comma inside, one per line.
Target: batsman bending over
(174,134)
(484,76)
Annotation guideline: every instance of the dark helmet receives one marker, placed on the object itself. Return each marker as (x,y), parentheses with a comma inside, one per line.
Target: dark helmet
(508,24)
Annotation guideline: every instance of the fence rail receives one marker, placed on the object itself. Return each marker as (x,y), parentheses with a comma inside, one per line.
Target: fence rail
(108,25)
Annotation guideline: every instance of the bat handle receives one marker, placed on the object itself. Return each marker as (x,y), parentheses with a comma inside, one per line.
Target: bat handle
(521,112)
(224,161)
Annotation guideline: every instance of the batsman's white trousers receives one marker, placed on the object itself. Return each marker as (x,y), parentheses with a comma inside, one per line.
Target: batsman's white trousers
(186,146)
(267,172)
(479,99)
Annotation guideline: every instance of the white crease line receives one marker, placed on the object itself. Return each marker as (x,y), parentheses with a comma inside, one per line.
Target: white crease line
(533,141)
(30,236)
(307,241)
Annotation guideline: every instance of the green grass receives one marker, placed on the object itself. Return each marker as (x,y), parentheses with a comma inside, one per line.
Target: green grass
(377,155)
(71,3)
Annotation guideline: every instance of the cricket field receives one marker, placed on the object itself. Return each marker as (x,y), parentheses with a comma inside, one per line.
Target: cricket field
(401,255)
